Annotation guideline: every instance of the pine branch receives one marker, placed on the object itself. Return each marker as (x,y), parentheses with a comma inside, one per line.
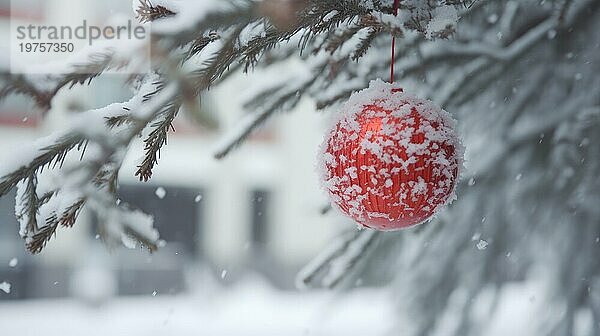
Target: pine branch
(239,14)
(150,243)
(156,140)
(259,45)
(118,121)
(36,243)
(217,64)
(69,217)
(51,156)
(313,23)
(365,43)
(79,73)
(147,12)
(84,73)
(446,52)
(37,238)
(125,219)
(98,173)
(18,84)
(30,204)
(286,98)
(200,43)
(222,26)
(334,38)
(337,40)
(332,266)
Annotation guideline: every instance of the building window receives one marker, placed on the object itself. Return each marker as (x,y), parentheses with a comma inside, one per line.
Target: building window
(11,246)
(19,112)
(9,227)
(178,214)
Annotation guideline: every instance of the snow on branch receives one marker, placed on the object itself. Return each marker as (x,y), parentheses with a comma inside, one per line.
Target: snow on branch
(197,44)
(470,58)
(53,187)
(79,69)
(146,11)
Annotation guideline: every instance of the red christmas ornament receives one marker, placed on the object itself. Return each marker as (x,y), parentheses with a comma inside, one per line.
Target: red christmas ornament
(391,160)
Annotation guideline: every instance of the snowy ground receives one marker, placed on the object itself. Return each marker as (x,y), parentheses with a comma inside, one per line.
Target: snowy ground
(253,308)
(246,310)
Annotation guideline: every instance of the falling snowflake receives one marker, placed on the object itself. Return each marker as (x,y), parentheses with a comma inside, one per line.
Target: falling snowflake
(5,287)
(160,193)
(482,245)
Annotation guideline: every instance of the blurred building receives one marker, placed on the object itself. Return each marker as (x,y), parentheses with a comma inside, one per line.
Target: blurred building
(257,210)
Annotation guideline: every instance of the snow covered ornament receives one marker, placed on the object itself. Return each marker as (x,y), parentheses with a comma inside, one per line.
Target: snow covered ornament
(391,160)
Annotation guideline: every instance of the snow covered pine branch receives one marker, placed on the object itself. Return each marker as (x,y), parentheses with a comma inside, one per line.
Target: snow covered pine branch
(195,45)
(521,76)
